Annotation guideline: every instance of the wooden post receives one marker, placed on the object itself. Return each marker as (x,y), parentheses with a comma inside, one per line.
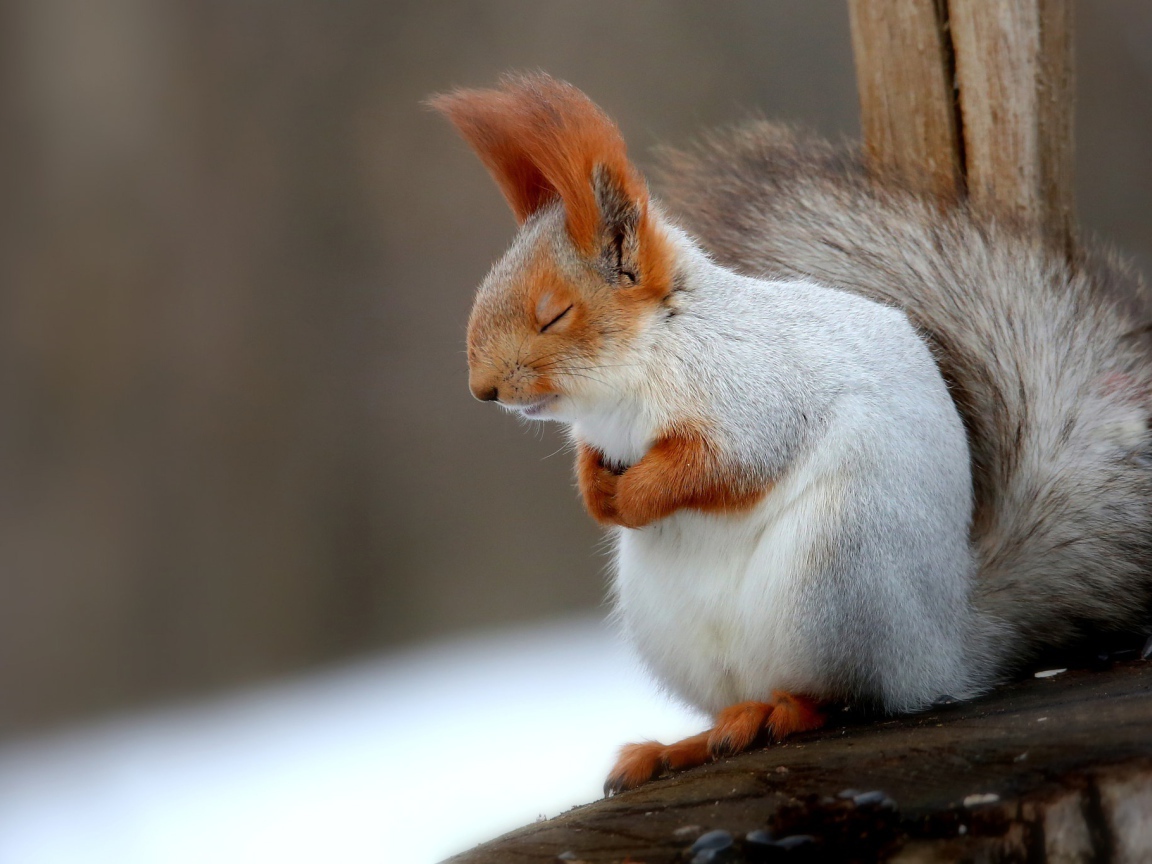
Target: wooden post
(975,95)
(904,74)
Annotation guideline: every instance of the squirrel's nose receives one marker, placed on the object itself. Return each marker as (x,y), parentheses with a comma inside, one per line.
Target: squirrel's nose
(486,393)
(484,383)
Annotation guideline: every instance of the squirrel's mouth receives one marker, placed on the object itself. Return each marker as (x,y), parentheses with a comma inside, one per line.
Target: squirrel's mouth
(536,407)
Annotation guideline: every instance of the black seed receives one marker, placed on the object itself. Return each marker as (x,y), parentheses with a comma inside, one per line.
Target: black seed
(1101,661)
(712,841)
(796,841)
(759,837)
(797,847)
(876,798)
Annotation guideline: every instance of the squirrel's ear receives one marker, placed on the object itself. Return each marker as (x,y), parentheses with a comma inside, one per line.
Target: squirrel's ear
(493,124)
(620,214)
(543,140)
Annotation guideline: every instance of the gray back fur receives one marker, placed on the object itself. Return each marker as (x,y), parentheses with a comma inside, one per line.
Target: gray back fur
(1048,361)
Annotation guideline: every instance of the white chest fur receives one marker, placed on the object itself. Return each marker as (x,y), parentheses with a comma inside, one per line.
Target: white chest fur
(711,602)
(850,579)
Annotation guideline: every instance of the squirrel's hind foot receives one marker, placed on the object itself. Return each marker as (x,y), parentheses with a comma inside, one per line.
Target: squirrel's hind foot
(737,728)
(639,763)
(740,726)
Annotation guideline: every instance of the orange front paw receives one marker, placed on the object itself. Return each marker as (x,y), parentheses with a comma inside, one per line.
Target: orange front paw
(636,503)
(597,484)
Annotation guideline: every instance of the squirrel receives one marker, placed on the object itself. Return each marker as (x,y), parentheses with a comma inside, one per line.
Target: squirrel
(857,444)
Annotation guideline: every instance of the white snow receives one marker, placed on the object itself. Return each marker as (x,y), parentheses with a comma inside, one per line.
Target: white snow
(409,758)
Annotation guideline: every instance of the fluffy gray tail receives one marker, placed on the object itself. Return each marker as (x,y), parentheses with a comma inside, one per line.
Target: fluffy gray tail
(1049,362)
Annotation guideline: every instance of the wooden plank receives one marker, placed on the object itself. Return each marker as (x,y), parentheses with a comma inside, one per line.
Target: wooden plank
(976,95)
(1015,76)
(903,72)
(1050,769)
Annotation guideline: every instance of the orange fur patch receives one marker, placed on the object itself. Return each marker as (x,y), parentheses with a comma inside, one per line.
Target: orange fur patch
(681,470)
(547,291)
(656,263)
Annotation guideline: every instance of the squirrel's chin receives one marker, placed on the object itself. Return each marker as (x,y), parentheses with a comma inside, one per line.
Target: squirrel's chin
(540,409)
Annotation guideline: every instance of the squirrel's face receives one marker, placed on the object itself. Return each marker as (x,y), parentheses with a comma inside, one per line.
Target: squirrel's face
(555,321)
(553,327)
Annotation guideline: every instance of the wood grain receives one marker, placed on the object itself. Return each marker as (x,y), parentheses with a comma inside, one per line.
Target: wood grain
(975,95)
(903,73)
(1015,76)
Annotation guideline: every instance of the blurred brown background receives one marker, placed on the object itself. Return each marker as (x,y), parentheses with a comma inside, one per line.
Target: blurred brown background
(236,260)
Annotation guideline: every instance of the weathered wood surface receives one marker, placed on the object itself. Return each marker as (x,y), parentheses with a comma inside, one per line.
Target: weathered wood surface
(1064,764)
(976,96)
(1015,81)
(905,79)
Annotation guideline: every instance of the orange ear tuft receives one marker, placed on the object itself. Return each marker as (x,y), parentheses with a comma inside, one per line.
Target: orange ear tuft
(541,139)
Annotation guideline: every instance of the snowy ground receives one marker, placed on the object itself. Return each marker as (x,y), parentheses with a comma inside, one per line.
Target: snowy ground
(403,758)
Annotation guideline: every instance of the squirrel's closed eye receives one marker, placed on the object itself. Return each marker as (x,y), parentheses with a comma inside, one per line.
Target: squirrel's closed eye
(557,318)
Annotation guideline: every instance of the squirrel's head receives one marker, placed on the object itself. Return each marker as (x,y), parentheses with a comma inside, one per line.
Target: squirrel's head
(556,319)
